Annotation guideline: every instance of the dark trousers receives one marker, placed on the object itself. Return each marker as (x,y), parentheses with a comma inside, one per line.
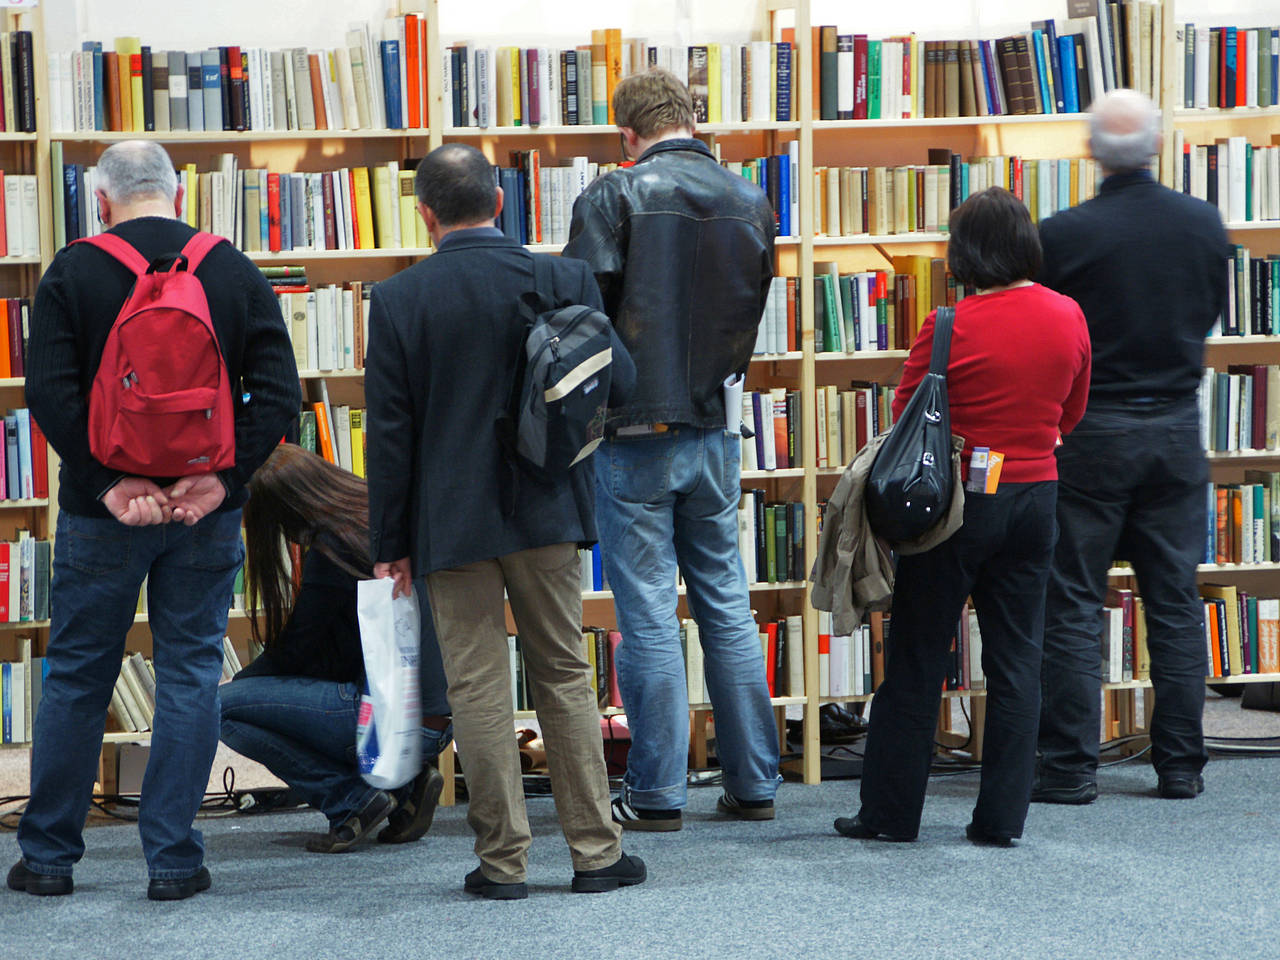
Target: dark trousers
(1001,558)
(1131,487)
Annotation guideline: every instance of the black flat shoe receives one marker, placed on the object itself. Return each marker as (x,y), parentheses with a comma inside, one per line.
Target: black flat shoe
(180,889)
(984,839)
(855,828)
(477,883)
(1072,794)
(1180,787)
(627,872)
(39,884)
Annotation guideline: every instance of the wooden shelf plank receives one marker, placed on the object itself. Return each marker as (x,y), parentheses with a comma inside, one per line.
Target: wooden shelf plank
(230,136)
(872,239)
(1234,113)
(821,126)
(30,504)
(753,587)
(609,130)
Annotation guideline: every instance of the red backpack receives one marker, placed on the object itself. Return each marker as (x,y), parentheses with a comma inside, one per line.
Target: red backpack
(160,405)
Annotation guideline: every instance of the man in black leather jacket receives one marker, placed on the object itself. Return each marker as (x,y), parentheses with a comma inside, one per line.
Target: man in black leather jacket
(683,252)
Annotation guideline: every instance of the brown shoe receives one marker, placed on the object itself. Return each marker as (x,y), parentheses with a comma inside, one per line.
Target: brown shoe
(350,831)
(412,819)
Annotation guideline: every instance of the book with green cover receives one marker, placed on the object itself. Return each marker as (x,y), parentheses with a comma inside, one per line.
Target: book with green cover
(770,546)
(307,430)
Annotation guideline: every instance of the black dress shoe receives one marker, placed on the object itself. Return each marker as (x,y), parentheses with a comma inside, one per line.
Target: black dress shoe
(855,828)
(1181,787)
(984,839)
(1075,794)
(40,884)
(181,889)
(477,883)
(627,872)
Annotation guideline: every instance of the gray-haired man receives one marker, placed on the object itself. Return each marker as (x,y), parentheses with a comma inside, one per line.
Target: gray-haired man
(1148,267)
(183,533)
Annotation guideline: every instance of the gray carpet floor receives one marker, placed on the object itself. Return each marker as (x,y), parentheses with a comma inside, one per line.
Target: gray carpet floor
(1131,875)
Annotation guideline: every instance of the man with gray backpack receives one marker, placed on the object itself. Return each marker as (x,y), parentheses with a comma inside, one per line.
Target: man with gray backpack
(487,369)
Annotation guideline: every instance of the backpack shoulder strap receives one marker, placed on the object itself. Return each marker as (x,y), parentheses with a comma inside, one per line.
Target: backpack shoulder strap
(943,320)
(198,246)
(542,296)
(121,250)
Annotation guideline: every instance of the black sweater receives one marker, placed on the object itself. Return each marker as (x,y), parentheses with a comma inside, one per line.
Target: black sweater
(76,304)
(1148,268)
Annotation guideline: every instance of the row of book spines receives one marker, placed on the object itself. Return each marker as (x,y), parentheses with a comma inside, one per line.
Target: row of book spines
(17,82)
(19,215)
(1125,655)
(133,700)
(1242,408)
(1253,295)
(852,665)
(327,326)
(531,86)
(24,579)
(341,441)
(15,324)
(919,198)
(1244,520)
(24,471)
(1239,178)
(848,419)
(771,538)
(1036,72)
(229,88)
(879,310)
(1242,632)
(1225,67)
(21,688)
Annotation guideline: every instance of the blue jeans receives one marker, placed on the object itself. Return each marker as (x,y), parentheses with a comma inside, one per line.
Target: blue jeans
(1131,487)
(98,568)
(663,501)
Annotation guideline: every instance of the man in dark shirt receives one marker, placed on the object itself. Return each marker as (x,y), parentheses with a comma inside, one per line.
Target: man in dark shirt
(1148,267)
(182,533)
(683,252)
(446,503)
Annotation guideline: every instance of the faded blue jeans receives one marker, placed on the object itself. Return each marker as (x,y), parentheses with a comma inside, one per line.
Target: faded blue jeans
(98,567)
(665,501)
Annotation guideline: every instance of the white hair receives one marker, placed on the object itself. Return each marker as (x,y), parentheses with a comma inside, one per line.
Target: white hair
(1124,131)
(136,170)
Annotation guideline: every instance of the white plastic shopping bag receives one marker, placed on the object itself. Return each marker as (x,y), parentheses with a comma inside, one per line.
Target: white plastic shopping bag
(388,732)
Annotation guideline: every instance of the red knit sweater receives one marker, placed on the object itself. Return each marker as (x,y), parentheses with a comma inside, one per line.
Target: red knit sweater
(1018,376)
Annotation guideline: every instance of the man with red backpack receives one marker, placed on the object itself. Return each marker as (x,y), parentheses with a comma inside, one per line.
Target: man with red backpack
(160,369)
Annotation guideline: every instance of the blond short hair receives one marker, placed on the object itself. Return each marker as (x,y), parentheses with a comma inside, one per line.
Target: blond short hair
(652,103)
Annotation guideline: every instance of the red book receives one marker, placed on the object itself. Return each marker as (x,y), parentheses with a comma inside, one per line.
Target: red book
(859,76)
(1016,176)
(615,694)
(4,584)
(330,224)
(4,237)
(412,69)
(273,212)
(771,658)
(39,460)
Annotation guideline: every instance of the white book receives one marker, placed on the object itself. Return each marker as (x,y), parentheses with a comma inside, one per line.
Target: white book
(1247,545)
(727,104)
(56,64)
(795,656)
(18,702)
(778,293)
(404,71)
(735,82)
(748,449)
(513,659)
(451,118)
(838,666)
(747,532)
(1233,412)
(761,87)
(347,299)
(342,428)
(824,659)
(257,100)
(977,678)
(313,329)
(1202,69)
(30,216)
(694,663)
(484,81)
(315,186)
(549,84)
(1114,663)
(1236,178)
(1250,54)
(844,81)
(13,214)
(326,332)
(268,121)
(348,213)
(293,120)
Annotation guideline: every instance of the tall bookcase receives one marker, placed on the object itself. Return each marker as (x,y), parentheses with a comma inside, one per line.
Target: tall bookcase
(903,141)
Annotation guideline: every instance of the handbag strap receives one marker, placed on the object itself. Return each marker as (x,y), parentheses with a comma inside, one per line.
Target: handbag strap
(943,320)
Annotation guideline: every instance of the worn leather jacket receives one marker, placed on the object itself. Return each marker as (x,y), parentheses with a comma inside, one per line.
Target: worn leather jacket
(683,252)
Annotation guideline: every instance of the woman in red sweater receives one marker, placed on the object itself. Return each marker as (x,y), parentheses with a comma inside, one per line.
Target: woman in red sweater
(1017,380)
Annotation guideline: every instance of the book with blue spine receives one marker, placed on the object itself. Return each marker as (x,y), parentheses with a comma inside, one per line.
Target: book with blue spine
(1070,91)
(211,86)
(391,82)
(784,193)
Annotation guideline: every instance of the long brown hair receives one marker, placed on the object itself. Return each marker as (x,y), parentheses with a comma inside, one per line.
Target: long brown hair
(295,498)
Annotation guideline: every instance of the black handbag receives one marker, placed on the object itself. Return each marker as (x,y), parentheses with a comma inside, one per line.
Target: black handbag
(910,485)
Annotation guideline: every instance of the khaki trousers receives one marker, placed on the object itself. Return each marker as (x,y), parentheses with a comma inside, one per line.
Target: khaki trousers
(467,607)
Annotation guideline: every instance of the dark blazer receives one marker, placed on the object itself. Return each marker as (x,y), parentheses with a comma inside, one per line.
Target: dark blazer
(1148,267)
(444,337)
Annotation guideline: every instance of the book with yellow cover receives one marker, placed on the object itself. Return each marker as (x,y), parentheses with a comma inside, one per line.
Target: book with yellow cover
(382,208)
(357,442)
(363,202)
(126,47)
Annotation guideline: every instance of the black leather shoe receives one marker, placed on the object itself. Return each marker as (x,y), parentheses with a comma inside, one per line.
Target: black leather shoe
(40,884)
(1076,794)
(855,828)
(627,872)
(477,883)
(181,889)
(1181,787)
(984,839)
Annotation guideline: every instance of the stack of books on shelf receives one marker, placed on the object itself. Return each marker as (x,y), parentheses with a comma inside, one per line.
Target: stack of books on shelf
(24,579)
(852,665)
(1124,638)
(773,417)
(848,419)
(776,176)
(779,330)
(878,310)
(17,82)
(21,686)
(335,432)
(375,80)
(1240,409)
(782,641)
(1227,67)
(511,86)
(592,570)
(1241,631)
(15,324)
(537,200)
(1253,296)
(19,216)
(352,208)
(919,198)
(24,471)
(1048,69)
(1244,520)
(133,701)
(771,539)
(1241,179)
(327,324)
